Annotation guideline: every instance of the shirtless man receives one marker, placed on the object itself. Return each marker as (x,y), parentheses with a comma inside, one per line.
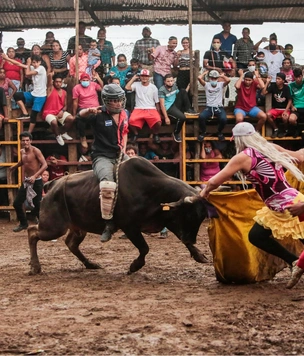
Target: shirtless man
(34,164)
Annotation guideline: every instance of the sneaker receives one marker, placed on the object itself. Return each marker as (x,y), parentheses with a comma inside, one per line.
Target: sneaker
(20,228)
(201,137)
(23,117)
(156,138)
(221,136)
(275,133)
(65,136)
(60,140)
(296,273)
(176,137)
(191,112)
(282,134)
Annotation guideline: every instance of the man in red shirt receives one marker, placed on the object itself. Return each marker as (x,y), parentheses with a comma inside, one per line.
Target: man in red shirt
(246,98)
(54,110)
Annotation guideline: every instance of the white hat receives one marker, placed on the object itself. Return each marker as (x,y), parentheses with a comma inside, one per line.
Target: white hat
(214,74)
(243,129)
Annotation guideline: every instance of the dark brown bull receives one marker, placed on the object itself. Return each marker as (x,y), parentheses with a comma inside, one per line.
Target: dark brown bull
(72,203)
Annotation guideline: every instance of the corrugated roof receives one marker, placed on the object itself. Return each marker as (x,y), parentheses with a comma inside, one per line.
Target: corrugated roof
(25,14)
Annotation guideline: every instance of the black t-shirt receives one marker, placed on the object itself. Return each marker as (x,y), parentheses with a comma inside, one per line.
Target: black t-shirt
(218,58)
(279,97)
(108,137)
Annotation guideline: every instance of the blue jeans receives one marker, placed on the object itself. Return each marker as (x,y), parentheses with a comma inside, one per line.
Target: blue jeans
(218,112)
(103,167)
(158,80)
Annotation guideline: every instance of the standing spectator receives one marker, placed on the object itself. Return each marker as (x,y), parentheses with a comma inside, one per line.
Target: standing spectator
(288,49)
(130,95)
(174,103)
(56,168)
(209,169)
(243,49)
(183,63)
(31,189)
(84,40)
(121,69)
(281,104)
(146,105)
(279,48)
(148,154)
(110,130)
(106,50)
(85,96)
(287,70)
(297,96)
(45,178)
(246,98)
(165,150)
(55,107)
(59,59)
(22,53)
(37,97)
(273,56)
(45,59)
(13,71)
(47,44)
(93,56)
(82,63)
(142,48)
(163,57)
(131,151)
(226,38)
(214,107)
(218,59)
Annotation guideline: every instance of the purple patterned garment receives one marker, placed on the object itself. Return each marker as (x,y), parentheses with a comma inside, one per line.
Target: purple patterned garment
(269,181)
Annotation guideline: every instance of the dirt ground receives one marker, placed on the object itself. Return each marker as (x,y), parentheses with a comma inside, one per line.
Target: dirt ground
(173,306)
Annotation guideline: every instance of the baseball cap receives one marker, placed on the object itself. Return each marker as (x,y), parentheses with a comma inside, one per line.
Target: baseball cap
(147,28)
(213,74)
(85,76)
(243,129)
(145,72)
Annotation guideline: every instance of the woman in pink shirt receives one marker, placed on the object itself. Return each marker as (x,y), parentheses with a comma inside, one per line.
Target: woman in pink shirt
(13,72)
(8,86)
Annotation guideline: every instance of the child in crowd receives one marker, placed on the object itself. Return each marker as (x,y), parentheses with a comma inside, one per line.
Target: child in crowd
(45,178)
(130,95)
(93,57)
(287,70)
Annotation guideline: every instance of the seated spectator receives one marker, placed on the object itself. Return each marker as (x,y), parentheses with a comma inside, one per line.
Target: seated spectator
(163,58)
(121,69)
(246,100)
(106,50)
(45,59)
(3,177)
(209,169)
(297,96)
(45,178)
(174,103)
(281,104)
(84,40)
(85,156)
(7,85)
(54,110)
(287,70)
(93,56)
(82,63)
(131,151)
(214,105)
(85,96)
(260,97)
(22,53)
(56,169)
(59,59)
(219,60)
(288,49)
(114,80)
(143,151)
(146,105)
(37,97)
(47,44)
(130,95)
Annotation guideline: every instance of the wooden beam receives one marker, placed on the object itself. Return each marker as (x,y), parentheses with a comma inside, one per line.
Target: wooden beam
(91,12)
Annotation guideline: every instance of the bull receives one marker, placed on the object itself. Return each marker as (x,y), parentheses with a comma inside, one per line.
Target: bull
(72,203)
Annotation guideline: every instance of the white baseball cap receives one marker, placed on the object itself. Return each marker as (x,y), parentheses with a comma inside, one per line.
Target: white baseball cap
(213,74)
(243,129)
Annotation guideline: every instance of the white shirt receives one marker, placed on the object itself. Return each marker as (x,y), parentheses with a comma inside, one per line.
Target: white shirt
(274,62)
(145,96)
(39,81)
(214,95)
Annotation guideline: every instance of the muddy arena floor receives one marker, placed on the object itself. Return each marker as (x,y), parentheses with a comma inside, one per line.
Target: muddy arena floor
(173,306)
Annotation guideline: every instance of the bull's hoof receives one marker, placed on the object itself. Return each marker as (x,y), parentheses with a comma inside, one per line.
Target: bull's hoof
(200,257)
(136,265)
(92,265)
(34,270)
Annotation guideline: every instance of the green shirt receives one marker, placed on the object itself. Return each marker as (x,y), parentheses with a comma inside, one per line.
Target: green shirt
(297,94)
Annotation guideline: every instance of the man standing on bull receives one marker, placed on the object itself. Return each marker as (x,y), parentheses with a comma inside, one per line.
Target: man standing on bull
(110,130)
(31,190)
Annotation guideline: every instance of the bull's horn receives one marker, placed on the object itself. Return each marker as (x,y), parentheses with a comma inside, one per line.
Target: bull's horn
(186,200)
